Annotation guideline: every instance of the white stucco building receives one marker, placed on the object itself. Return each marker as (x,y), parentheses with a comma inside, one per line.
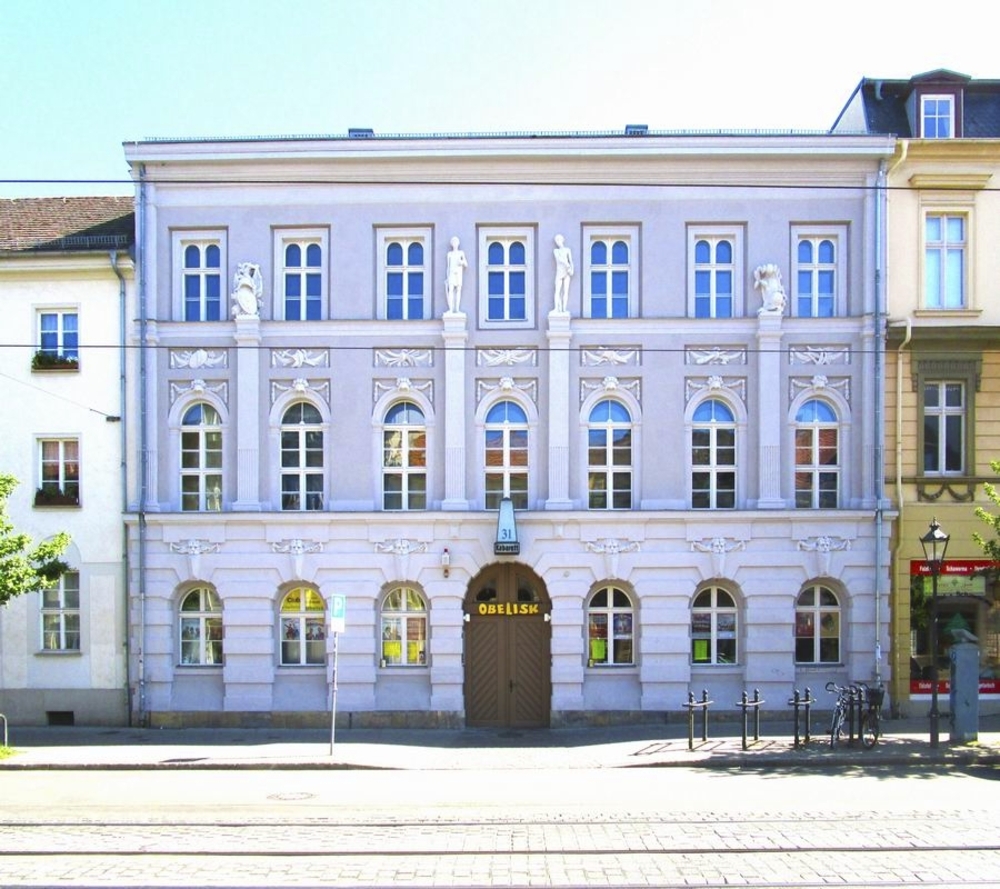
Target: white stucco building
(337,398)
(66,285)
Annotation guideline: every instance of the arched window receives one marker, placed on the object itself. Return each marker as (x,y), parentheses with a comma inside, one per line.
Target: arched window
(816,281)
(506,280)
(303,628)
(609,278)
(713,278)
(404,629)
(713,456)
(200,628)
(302,458)
(404,280)
(303,277)
(714,628)
(817,626)
(60,614)
(610,629)
(506,457)
(404,458)
(202,282)
(201,459)
(609,456)
(817,456)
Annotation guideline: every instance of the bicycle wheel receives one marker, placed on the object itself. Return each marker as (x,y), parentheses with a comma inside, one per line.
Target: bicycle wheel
(870,729)
(837,726)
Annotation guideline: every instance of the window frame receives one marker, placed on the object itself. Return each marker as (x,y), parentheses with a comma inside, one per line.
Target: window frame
(409,235)
(816,234)
(282,237)
(203,472)
(405,470)
(62,613)
(202,238)
(609,468)
(714,234)
(303,471)
(507,470)
(713,612)
(69,485)
(942,247)
(952,117)
(619,624)
(810,616)
(931,368)
(713,467)
(206,620)
(64,354)
(610,234)
(815,468)
(406,618)
(299,623)
(507,234)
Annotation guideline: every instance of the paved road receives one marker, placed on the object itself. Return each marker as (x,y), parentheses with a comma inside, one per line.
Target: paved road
(760,826)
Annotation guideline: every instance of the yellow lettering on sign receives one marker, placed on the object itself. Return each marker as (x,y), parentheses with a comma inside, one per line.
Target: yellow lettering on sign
(508,609)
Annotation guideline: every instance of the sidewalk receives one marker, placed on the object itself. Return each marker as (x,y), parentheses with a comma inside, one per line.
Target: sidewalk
(904,742)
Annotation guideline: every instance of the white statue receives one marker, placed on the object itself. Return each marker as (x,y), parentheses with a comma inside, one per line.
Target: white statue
(564,273)
(248,286)
(456,265)
(767,279)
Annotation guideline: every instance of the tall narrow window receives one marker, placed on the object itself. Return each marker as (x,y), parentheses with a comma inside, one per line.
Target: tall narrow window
(609,456)
(404,629)
(816,280)
(610,629)
(817,456)
(506,457)
(303,277)
(200,628)
(303,628)
(506,279)
(944,262)
(302,458)
(58,337)
(713,278)
(609,278)
(60,614)
(937,117)
(713,456)
(59,472)
(201,459)
(404,458)
(713,628)
(944,428)
(202,279)
(404,280)
(817,627)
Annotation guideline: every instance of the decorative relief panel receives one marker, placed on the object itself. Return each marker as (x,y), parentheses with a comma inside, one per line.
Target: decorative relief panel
(199,387)
(715,355)
(300,358)
(297,549)
(619,355)
(400,549)
(823,546)
(507,384)
(736,385)
(631,385)
(819,355)
(198,358)
(719,548)
(506,357)
(320,387)
(611,548)
(404,357)
(403,385)
(841,385)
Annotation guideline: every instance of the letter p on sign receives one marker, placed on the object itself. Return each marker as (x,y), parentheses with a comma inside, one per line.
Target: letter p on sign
(338,614)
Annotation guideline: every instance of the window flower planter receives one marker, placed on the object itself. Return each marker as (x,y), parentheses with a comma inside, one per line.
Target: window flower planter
(45,497)
(50,361)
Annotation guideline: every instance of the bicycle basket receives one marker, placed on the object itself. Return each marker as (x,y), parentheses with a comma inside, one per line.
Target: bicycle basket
(876,696)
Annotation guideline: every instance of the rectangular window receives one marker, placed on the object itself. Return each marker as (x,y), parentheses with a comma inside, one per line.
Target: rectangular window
(58,338)
(506,277)
(404,274)
(199,272)
(610,276)
(818,271)
(715,273)
(944,261)
(60,614)
(944,428)
(300,262)
(937,117)
(58,472)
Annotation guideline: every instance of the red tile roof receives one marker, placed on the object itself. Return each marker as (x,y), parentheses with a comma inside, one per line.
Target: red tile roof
(71,224)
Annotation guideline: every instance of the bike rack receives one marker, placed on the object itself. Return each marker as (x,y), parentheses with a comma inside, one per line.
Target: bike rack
(746,705)
(4,720)
(693,705)
(804,703)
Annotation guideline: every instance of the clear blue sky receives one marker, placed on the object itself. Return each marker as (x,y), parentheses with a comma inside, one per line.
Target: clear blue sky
(79,77)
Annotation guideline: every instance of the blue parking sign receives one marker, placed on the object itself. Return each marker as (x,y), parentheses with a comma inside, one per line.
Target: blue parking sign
(338,614)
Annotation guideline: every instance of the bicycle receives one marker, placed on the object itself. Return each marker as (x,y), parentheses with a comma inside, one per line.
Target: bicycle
(871,718)
(869,701)
(841,710)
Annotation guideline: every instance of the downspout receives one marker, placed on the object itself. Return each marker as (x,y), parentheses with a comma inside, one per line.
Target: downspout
(880,205)
(143,446)
(123,444)
(899,468)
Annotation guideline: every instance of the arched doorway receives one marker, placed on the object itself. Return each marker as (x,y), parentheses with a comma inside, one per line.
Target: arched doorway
(508,649)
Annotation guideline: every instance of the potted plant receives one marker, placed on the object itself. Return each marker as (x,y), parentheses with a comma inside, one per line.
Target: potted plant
(56,497)
(43,360)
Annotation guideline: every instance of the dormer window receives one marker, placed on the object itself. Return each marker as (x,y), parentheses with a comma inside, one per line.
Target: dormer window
(937,116)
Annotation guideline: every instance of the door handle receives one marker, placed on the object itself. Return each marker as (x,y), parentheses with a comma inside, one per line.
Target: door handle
(512,685)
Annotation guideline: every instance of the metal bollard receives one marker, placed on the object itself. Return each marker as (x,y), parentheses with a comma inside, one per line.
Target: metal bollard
(691,705)
(804,703)
(746,705)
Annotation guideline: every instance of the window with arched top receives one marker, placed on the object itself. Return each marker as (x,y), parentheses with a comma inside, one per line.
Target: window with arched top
(404,458)
(302,276)
(817,626)
(714,625)
(202,281)
(201,459)
(714,273)
(610,628)
(713,456)
(200,628)
(404,629)
(404,279)
(609,456)
(302,476)
(302,626)
(817,456)
(506,457)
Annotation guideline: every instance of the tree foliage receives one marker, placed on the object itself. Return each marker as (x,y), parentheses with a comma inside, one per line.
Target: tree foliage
(991,547)
(26,567)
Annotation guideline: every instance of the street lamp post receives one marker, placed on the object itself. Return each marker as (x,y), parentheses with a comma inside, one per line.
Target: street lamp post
(935,545)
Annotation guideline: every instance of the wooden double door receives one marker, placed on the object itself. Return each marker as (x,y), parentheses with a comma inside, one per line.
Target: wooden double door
(508,649)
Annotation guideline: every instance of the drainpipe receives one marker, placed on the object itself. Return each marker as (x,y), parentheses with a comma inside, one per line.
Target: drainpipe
(880,205)
(143,446)
(123,444)
(899,469)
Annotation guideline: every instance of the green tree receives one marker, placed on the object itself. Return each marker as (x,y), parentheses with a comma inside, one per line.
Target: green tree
(990,547)
(24,566)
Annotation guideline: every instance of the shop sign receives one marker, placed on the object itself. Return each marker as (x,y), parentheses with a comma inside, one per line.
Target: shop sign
(508,609)
(926,686)
(958,577)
